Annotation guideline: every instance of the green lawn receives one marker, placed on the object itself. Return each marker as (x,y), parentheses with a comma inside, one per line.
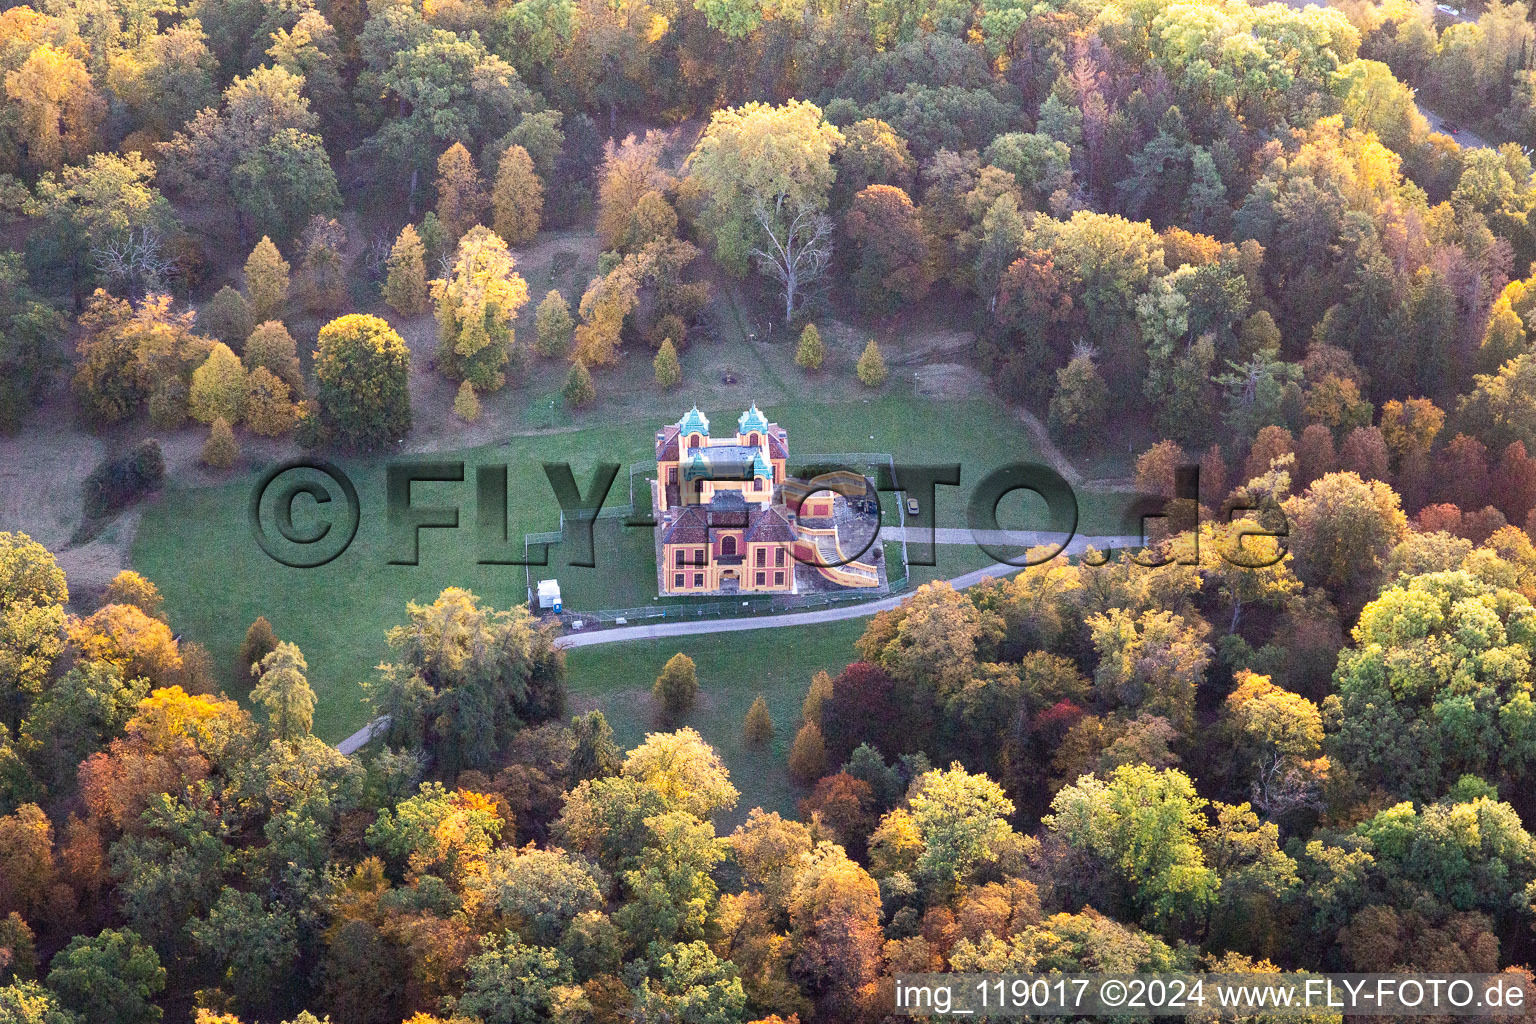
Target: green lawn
(196,543)
(733,669)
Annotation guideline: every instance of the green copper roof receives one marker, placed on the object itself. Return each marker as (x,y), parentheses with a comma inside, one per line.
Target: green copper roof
(760,465)
(694,422)
(751,420)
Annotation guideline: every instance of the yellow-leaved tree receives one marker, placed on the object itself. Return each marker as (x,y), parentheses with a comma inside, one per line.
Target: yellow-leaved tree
(607,301)
(517,201)
(461,198)
(405,286)
(476,305)
(266,281)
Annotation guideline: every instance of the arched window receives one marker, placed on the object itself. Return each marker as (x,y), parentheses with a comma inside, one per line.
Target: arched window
(757,484)
(752,439)
(728,546)
(693,440)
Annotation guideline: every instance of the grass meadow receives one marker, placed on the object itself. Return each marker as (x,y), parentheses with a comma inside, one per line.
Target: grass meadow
(196,544)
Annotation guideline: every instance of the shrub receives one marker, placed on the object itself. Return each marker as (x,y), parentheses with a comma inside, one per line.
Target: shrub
(553,325)
(677,688)
(579,390)
(758,727)
(811,352)
(115,484)
(226,317)
(871,368)
(669,373)
(465,405)
(220,450)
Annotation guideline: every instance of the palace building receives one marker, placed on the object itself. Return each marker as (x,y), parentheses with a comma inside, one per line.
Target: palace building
(722,524)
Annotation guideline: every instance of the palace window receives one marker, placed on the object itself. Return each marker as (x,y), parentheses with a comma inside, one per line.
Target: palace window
(761,557)
(728,546)
(778,579)
(679,558)
(753,440)
(760,578)
(677,581)
(778,556)
(698,579)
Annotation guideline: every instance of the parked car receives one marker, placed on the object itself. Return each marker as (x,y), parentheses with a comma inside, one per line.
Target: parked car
(1451,127)
(911,506)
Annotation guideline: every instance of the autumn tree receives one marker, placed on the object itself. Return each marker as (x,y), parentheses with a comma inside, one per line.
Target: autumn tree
(266,281)
(1279,734)
(476,305)
(466,405)
(518,197)
(1463,717)
(259,642)
(461,198)
(819,691)
(322,279)
(221,450)
(1080,404)
(282,688)
(405,282)
(270,347)
(579,390)
(765,173)
(677,688)
(807,755)
(669,372)
(1342,529)
(631,169)
(553,325)
(810,352)
(57,105)
(269,409)
(609,299)
(26,855)
(363,372)
(757,728)
(892,250)
(1142,824)
(260,154)
(870,368)
(129,587)
(106,221)
(220,388)
(226,317)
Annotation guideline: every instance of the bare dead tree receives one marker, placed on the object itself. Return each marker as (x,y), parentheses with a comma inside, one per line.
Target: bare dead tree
(376,258)
(135,265)
(799,247)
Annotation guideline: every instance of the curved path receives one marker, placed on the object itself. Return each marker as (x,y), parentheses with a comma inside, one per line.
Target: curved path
(831,613)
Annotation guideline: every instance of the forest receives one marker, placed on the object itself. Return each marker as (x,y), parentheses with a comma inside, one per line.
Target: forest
(1292,246)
